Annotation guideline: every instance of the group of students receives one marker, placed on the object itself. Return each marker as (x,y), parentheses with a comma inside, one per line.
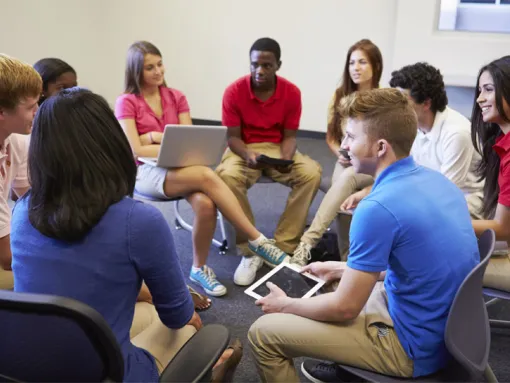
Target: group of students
(76,220)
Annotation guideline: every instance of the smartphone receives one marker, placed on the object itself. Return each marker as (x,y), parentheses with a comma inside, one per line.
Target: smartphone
(344,153)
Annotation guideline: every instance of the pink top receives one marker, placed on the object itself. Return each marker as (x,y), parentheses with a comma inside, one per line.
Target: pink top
(13,174)
(131,106)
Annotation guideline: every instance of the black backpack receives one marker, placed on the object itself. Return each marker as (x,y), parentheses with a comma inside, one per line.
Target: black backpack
(326,249)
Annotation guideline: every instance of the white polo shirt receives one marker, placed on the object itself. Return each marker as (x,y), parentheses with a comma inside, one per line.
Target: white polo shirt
(13,174)
(448,149)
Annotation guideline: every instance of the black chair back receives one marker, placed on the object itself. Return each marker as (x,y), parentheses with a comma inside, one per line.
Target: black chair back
(467,334)
(47,338)
(202,362)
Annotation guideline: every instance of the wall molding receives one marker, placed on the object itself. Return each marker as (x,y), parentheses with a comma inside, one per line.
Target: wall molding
(301,132)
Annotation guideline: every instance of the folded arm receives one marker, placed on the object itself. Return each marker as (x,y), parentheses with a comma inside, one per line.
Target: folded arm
(142,147)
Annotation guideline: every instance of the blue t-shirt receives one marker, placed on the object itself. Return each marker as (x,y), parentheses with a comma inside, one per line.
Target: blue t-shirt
(416,225)
(132,242)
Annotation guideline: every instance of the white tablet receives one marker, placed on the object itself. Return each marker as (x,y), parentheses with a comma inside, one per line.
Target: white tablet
(288,278)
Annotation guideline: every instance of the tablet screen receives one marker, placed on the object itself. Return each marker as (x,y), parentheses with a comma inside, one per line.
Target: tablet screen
(293,283)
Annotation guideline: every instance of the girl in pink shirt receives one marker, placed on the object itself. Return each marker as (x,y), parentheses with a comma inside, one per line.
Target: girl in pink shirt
(144,109)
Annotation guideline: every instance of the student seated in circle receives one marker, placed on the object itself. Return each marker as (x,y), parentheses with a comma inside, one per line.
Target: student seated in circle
(395,327)
(362,71)
(143,111)
(20,88)
(490,134)
(78,234)
(56,75)
(262,111)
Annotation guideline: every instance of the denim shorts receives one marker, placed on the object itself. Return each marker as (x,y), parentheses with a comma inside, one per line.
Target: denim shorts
(150,180)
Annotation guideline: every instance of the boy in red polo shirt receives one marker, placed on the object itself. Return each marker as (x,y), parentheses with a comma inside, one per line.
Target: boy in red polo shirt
(262,113)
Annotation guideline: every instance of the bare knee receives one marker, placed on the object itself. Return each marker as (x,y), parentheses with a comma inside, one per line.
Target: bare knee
(202,205)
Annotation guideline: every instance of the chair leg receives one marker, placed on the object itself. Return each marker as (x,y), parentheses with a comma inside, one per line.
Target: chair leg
(489,375)
(180,223)
(495,323)
(491,302)
(224,244)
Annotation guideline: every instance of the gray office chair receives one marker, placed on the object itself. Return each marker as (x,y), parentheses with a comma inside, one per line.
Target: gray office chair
(180,223)
(467,333)
(80,345)
(497,296)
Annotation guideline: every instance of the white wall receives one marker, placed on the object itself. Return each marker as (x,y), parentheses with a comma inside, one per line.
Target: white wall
(205,43)
(314,41)
(70,30)
(459,55)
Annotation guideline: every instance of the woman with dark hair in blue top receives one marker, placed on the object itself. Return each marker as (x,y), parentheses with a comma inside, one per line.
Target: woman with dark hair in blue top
(79,222)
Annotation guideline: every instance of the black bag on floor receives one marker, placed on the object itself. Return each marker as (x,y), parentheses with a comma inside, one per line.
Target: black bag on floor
(326,249)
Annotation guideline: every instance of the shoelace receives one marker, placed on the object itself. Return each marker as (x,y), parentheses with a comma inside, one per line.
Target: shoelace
(209,275)
(249,261)
(302,254)
(271,249)
(329,367)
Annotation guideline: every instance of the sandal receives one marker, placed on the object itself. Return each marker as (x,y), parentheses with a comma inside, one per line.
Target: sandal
(201,302)
(224,372)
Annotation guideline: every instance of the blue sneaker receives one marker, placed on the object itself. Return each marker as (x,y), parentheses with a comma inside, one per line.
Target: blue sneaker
(207,279)
(268,251)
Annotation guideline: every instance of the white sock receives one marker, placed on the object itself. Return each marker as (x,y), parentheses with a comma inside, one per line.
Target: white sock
(195,269)
(256,242)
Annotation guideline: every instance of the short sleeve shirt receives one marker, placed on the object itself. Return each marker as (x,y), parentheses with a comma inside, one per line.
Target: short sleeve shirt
(132,106)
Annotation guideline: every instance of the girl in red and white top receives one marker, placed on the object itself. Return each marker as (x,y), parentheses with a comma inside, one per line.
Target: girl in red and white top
(490,133)
(144,110)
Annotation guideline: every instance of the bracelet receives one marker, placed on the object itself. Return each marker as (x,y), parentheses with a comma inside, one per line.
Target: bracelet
(150,136)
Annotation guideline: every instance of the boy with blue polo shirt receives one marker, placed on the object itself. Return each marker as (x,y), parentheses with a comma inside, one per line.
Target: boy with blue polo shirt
(396,327)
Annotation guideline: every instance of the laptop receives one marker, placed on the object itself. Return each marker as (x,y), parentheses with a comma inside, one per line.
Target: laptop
(188,145)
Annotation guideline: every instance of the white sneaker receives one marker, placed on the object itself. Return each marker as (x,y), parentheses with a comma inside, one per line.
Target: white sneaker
(247,270)
(302,254)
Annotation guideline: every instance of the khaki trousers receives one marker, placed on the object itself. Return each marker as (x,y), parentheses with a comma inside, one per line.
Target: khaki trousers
(497,274)
(345,181)
(304,180)
(149,333)
(367,342)
(6,280)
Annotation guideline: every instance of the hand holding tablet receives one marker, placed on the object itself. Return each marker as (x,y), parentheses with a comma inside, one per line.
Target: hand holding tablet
(289,279)
(271,161)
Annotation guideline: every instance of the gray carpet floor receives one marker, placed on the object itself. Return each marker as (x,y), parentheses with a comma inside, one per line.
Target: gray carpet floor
(237,311)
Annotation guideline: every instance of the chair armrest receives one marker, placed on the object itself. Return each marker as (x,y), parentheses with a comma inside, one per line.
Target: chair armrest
(195,360)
